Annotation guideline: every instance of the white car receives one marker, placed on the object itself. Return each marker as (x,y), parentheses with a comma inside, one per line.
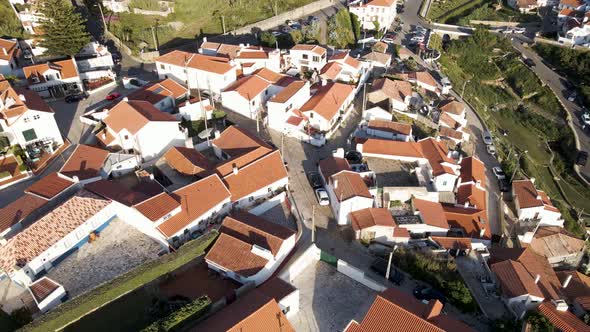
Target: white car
(417,39)
(491,149)
(487,138)
(499,173)
(322,195)
(585,119)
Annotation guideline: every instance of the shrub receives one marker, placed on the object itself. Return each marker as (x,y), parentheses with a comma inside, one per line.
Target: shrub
(182,316)
(268,39)
(21,316)
(539,323)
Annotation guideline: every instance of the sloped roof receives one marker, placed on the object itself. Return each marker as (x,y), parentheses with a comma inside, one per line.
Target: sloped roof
(453,107)
(565,321)
(515,279)
(249,87)
(528,196)
(235,255)
(453,242)
(472,195)
(49,186)
(553,241)
(9,46)
(66,68)
(473,169)
(331,70)
(390,126)
(350,184)
(328,99)
(369,217)
(333,165)
(305,47)
(579,285)
(19,101)
(431,213)
(18,210)
(157,91)
(115,191)
(133,115)
(395,89)
(236,141)
(85,162)
(288,92)
(187,161)
(470,221)
(212,64)
(154,208)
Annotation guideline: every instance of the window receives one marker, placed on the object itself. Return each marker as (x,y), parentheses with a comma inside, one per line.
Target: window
(36,117)
(126,136)
(286,310)
(269,189)
(251,198)
(316,58)
(29,135)
(444,183)
(266,92)
(57,75)
(253,102)
(304,56)
(162,67)
(27,120)
(311,115)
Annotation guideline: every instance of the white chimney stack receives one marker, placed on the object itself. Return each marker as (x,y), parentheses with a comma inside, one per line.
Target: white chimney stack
(235,169)
(567,281)
(537,278)
(335,184)
(125,99)
(4,51)
(482,232)
(532,180)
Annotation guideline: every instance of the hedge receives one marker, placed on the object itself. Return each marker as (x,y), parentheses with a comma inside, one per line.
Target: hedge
(181,317)
(82,305)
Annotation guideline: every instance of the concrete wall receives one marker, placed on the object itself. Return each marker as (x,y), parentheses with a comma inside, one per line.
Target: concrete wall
(269,204)
(272,22)
(310,255)
(358,275)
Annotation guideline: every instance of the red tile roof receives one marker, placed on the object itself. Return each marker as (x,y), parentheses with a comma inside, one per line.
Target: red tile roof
(249,87)
(453,242)
(472,195)
(331,70)
(328,100)
(390,126)
(396,311)
(333,165)
(50,229)
(344,57)
(42,288)
(436,153)
(66,68)
(350,184)
(117,192)
(236,141)
(289,91)
(473,169)
(195,200)
(49,186)
(212,64)
(431,213)
(235,255)
(470,221)
(157,91)
(528,196)
(314,48)
(276,288)
(9,47)
(253,312)
(22,100)
(578,287)
(564,321)
(85,162)
(187,161)
(515,279)
(133,115)
(392,148)
(18,210)
(452,106)
(370,217)
(450,133)
(268,75)
(156,207)
(395,89)
(553,241)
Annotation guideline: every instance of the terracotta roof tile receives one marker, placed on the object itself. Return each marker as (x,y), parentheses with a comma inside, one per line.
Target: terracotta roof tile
(369,217)
(288,92)
(157,91)
(66,68)
(515,279)
(268,75)
(236,141)
(48,230)
(314,48)
(390,126)
(18,210)
(470,221)
(85,162)
(395,89)
(249,87)
(156,207)
(331,70)
(328,100)
(133,115)
(21,101)
(436,153)
(392,148)
(350,184)
(564,321)
(528,196)
(553,241)
(42,288)
(449,121)
(10,47)
(452,106)
(235,255)
(49,186)
(421,77)
(453,242)
(431,213)
(187,161)
(333,165)
(213,64)
(473,170)
(117,192)
(195,200)
(276,288)
(472,195)
(579,285)
(450,133)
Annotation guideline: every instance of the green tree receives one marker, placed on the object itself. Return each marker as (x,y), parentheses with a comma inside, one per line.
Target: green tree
(296,36)
(311,32)
(378,31)
(64,30)
(540,323)
(268,39)
(10,25)
(356,26)
(340,29)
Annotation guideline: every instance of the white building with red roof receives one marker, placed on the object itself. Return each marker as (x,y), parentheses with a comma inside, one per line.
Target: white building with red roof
(533,204)
(248,58)
(26,119)
(328,107)
(286,104)
(381,11)
(141,128)
(164,95)
(307,57)
(377,224)
(249,248)
(54,79)
(9,51)
(198,71)
(342,67)
(423,80)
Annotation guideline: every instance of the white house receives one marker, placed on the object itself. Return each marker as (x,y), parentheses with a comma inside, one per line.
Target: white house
(377,113)
(47,293)
(342,67)
(26,119)
(196,109)
(54,79)
(279,106)
(438,168)
(381,11)
(329,106)
(576,33)
(578,5)
(423,80)
(68,226)
(455,110)
(374,224)
(396,94)
(9,51)
(533,204)
(396,131)
(165,95)
(248,58)
(94,56)
(205,72)
(524,6)
(116,6)
(346,189)
(307,57)
(85,164)
(139,127)
(247,96)
(428,218)
(250,248)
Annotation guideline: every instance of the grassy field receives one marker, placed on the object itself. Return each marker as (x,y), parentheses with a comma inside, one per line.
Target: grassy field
(10,25)
(498,81)
(127,283)
(195,18)
(462,11)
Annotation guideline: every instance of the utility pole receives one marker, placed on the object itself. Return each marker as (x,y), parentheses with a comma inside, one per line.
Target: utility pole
(104,23)
(223,24)
(364,96)
(203,112)
(313,223)
(389,262)
(154,36)
(463,90)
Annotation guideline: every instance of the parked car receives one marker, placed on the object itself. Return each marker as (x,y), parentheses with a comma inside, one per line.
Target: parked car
(286,29)
(322,195)
(429,293)
(417,39)
(529,62)
(379,265)
(113,96)
(313,19)
(487,138)
(499,173)
(389,38)
(420,29)
(585,118)
(572,96)
(75,98)
(582,158)
(290,22)
(504,185)
(491,149)
(315,180)
(354,157)
(27,54)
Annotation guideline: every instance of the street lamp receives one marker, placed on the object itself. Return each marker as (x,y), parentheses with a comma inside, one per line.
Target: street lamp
(517,164)
(463,90)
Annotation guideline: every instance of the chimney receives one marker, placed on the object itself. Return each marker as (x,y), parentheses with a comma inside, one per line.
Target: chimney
(204,39)
(532,180)
(433,309)
(22,97)
(560,305)
(338,153)
(335,183)
(76,179)
(482,232)
(539,197)
(217,134)
(567,281)
(235,168)
(4,51)
(125,99)
(537,278)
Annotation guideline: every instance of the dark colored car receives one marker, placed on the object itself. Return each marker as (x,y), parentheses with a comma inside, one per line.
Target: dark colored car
(75,98)
(315,180)
(529,62)
(582,158)
(429,293)
(354,157)
(380,266)
(504,185)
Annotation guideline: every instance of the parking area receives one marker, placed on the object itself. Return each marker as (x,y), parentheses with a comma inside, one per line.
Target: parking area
(105,258)
(328,299)
(393,173)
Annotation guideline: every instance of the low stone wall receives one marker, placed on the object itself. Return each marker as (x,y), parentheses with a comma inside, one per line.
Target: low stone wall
(359,276)
(274,21)
(503,23)
(154,12)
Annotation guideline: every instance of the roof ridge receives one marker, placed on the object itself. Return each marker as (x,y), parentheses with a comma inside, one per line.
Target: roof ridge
(411,312)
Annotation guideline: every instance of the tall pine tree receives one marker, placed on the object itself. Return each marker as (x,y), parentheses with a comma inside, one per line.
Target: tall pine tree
(64,30)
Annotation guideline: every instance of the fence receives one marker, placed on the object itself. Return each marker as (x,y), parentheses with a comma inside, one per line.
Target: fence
(272,22)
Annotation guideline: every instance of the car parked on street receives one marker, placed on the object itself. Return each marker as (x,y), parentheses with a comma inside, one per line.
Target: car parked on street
(353,157)
(487,138)
(582,158)
(529,62)
(322,195)
(585,118)
(389,38)
(315,180)
(379,265)
(491,149)
(499,173)
(75,98)
(429,293)
(113,96)
(504,185)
